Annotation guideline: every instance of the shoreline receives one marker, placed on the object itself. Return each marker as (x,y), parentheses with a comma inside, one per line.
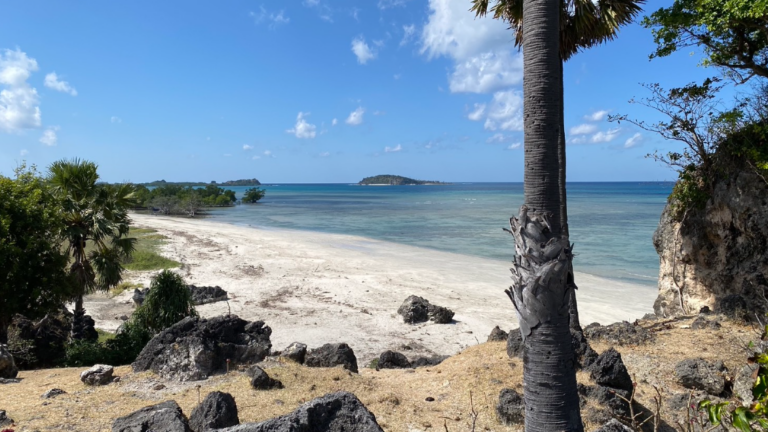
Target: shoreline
(319,288)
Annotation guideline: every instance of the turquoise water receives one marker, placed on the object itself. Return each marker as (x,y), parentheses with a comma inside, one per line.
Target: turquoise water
(611,223)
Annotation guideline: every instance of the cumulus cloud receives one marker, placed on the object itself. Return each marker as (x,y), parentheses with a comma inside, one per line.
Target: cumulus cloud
(515,146)
(583,129)
(19,102)
(484,60)
(505,111)
(356,117)
(605,136)
(633,141)
(49,137)
(52,81)
(361,49)
(597,115)
(247,147)
(115,119)
(408,32)
(477,113)
(394,149)
(303,129)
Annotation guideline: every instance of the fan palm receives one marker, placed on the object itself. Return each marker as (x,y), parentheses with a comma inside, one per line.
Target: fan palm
(96,225)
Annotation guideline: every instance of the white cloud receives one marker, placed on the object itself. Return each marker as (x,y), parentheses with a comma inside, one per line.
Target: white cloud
(49,137)
(274,19)
(515,146)
(484,59)
(52,81)
(24,152)
(578,140)
(496,138)
(583,129)
(115,119)
(633,141)
(408,32)
(386,4)
(303,129)
(324,154)
(597,115)
(19,102)
(605,136)
(505,111)
(362,50)
(334,122)
(324,11)
(394,149)
(356,117)
(477,113)
(247,147)
(268,153)
(256,157)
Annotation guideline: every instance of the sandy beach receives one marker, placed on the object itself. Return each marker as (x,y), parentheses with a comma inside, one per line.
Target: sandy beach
(318,288)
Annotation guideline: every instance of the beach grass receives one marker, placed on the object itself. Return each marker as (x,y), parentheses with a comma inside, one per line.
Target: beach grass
(145,257)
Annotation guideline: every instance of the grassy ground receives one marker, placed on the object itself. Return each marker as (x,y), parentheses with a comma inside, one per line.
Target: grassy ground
(145,257)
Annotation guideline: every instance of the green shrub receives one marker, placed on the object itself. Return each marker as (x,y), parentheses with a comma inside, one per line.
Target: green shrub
(168,302)
(116,350)
(253,195)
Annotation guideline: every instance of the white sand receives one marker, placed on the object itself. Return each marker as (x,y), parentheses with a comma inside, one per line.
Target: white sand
(318,288)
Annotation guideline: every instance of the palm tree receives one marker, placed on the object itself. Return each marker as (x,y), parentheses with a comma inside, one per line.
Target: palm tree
(583,24)
(96,225)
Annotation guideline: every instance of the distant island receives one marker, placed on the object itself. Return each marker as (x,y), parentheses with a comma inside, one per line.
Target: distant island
(394,180)
(244,182)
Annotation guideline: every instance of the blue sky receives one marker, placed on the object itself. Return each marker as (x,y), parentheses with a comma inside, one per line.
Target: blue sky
(306,91)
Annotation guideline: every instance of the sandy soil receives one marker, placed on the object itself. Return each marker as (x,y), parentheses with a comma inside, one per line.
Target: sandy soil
(319,288)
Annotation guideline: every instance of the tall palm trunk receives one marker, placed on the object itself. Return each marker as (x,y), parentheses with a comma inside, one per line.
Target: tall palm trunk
(542,272)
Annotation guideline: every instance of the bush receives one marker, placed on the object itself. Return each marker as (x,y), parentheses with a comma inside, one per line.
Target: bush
(253,195)
(168,302)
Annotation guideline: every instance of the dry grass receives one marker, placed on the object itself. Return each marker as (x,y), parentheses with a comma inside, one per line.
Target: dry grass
(396,397)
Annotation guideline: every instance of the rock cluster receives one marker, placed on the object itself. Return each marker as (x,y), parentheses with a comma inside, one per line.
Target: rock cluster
(206,294)
(415,310)
(8,367)
(332,355)
(620,333)
(195,348)
(614,387)
(395,360)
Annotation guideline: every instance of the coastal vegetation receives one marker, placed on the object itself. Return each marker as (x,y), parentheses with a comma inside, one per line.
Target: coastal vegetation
(395,180)
(243,182)
(176,199)
(145,256)
(253,195)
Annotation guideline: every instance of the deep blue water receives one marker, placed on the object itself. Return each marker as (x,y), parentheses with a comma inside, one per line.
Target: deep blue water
(611,223)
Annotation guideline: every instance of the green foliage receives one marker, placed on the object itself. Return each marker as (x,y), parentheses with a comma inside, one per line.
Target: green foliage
(123,286)
(253,195)
(732,33)
(33,276)
(145,256)
(168,302)
(121,349)
(172,198)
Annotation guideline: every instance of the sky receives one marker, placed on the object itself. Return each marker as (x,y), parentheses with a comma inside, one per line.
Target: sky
(308,91)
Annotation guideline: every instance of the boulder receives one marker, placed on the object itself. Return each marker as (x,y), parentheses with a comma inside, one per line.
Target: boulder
(745,380)
(261,381)
(608,370)
(393,360)
(515,344)
(40,344)
(414,310)
(428,361)
(165,417)
(139,294)
(8,367)
(613,426)
(332,355)
(217,410)
(84,327)
(585,355)
(195,348)
(620,333)
(206,294)
(98,375)
(296,352)
(511,408)
(497,335)
(52,393)
(699,374)
(4,419)
(335,412)
(440,314)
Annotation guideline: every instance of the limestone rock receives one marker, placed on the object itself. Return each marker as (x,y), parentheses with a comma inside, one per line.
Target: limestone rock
(195,348)
(415,310)
(217,410)
(620,333)
(296,351)
(206,294)
(440,314)
(393,360)
(260,380)
(98,375)
(335,412)
(511,407)
(609,370)
(745,380)
(497,335)
(52,393)
(139,294)
(165,417)
(699,374)
(8,367)
(515,344)
(428,361)
(332,355)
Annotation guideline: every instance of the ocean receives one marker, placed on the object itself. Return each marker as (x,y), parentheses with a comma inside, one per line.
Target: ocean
(611,224)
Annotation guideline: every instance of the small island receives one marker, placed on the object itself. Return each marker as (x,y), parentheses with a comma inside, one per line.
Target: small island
(243,182)
(395,180)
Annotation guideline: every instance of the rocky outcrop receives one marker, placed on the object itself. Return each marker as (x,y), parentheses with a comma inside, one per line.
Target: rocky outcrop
(39,344)
(608,370)
(206,294)
(98,375)
(8,367)
(415,310)
(497,335)
(699,374)
(166,417)
(217,410)
(296,351)
(335,412)
(620,333)
(332,355)
(195,348)
(718,251)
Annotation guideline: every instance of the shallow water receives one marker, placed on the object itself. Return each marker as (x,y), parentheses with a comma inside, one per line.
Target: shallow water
(611,223)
